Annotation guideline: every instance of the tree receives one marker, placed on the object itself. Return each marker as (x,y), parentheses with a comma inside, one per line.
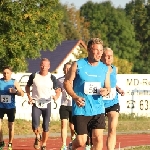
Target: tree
(26,28)
(124,67)
(113,27)
(138,11)
(73,25)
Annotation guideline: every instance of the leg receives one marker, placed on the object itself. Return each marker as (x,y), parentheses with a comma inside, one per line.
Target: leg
(97,125)
(46,113)
(2,144)
(11,118)
(64,130)
(2,112)
(79,141)
(64,115)
(88,143)
(71,126)
(97,139)
(11,131)
(80,126)
(36,113)
(112,125)
(1,131)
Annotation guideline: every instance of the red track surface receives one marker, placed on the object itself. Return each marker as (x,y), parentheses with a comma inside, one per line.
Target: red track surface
(55,143)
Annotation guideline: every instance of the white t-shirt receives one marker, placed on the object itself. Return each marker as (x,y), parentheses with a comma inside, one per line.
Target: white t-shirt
(66,99)
(42,87)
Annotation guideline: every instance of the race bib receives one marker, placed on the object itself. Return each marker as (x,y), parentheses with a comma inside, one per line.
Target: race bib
(6,98)
(92,88)
(42,103)
(68,97)
(111,95)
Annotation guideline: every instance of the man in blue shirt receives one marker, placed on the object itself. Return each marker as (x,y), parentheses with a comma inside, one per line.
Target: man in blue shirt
(91,81)
(8,89)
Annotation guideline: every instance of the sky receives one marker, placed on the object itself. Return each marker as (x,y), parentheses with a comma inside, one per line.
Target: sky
(79,3)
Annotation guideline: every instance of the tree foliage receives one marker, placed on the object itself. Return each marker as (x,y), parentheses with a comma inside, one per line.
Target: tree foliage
(73,25)
(124,67)
(138,11)
(26,28)
(113,27)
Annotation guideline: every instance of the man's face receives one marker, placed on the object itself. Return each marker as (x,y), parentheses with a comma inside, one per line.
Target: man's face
(7,74)
(45,65)
(107,57)
(66,68)
(95,52)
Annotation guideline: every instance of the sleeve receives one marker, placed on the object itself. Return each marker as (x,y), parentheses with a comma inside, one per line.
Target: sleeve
(55,83)
(59,84)
(30,81)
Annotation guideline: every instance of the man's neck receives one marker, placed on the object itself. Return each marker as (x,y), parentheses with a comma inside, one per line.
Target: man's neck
(6,79)
(43,73)
(92,63)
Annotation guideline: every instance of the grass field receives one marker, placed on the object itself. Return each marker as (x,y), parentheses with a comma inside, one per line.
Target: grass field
(127,123)
(140,148)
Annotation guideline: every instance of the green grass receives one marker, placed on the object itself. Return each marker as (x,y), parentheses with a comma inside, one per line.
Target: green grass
(140,148)
(127,123)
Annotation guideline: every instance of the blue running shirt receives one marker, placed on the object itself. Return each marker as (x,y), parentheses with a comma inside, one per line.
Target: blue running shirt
(7,100)
(87,83)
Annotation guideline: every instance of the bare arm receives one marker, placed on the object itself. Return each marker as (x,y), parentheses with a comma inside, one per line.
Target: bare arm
(117,87)
(107,80)
(27,88)
(19,89)
(69,79)
(58,92)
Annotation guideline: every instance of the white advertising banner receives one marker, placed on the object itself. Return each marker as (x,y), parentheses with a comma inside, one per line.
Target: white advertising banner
(136,99)
(137,93)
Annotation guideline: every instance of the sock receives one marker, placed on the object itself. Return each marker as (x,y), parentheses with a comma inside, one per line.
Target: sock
(64,144)
(38,136)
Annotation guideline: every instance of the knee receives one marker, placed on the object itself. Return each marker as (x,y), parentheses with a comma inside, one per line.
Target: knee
(81,142)
(112,131)
(64,123)
(97,139)
(45,127)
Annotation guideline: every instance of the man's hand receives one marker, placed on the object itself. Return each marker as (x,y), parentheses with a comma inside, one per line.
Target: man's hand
(30,101)
(79,101)
(103,92)
(12,90)
(54,98)
(120,91)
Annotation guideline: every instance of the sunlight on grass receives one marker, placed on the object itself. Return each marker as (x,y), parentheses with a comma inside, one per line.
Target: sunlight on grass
(126,123)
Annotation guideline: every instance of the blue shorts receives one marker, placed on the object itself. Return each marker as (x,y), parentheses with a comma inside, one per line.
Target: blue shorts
(37,112)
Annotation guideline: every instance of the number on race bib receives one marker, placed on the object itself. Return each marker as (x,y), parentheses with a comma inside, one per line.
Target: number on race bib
(42,103)
(111,95)
(92,88)
(5,98)
(68,97)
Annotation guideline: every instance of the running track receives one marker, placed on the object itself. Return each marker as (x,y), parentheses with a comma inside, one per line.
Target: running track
(55,143)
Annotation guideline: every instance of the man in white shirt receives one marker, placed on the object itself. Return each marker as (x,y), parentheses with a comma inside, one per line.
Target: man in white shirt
(43,84)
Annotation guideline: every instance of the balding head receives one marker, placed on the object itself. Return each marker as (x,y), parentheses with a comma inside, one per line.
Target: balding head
(44,65)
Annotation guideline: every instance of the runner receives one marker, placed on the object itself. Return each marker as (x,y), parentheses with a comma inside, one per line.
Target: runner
(43,83)
(111,101)
(8,89)
(89,85)
(65,110)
